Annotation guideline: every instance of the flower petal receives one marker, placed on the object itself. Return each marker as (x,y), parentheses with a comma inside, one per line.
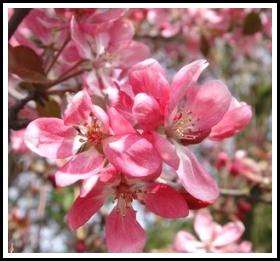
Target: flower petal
(107,15)
(183,79)
(84,207)
(235,119)
(101,115)
(81,166)
(146,111)
(121,31)
(197,182)
(204,225)
(230,233)
(79,39)
(134,155)
(123,233)
(131,53)
(165,201)
(149,77)
(50,138)
(166,150)
(78,109)
(186,242)
(17,141)
(207,103)
(118,123)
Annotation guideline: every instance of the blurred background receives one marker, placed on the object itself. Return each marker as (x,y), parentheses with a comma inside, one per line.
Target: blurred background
(237,44)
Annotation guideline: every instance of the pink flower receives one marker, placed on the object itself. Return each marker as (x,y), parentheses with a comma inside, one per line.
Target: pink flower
(17,141)
(122,231)
(108,42)
(84,135)
(213,237)
(235,119)
(185,113)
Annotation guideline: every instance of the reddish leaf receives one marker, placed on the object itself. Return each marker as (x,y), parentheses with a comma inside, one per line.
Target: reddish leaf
(26,64)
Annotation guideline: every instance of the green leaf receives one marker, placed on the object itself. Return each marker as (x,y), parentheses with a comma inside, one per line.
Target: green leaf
(252,23)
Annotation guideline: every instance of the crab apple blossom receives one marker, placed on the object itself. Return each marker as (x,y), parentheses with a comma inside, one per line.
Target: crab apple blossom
(86,137)
(184,113)
(213,237)
(122,231)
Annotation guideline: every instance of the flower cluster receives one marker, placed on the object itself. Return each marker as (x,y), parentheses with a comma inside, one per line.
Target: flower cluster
(127,123)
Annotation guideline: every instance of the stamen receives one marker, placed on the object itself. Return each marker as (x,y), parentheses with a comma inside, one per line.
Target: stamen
(184,125)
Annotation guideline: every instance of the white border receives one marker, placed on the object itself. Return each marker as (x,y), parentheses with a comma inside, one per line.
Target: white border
(273,6)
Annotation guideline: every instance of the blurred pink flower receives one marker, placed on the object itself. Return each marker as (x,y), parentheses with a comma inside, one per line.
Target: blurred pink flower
(213,237)
(17,141)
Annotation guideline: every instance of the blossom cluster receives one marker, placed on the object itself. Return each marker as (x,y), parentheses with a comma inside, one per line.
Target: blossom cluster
(126,124)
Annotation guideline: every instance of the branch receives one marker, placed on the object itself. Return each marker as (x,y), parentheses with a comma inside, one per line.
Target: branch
(14,122)
(16,19)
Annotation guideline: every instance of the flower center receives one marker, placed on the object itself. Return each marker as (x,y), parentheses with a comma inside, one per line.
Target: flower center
(94,132)
(183,126)
(126,193)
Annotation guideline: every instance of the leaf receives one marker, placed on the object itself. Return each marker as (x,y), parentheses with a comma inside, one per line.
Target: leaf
(252,23)
(51,108)
(26,64)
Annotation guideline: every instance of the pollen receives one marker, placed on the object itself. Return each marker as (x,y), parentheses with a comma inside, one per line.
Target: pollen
(94,132)
(184,124)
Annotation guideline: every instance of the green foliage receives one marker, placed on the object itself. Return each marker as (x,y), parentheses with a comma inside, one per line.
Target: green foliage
(261,228)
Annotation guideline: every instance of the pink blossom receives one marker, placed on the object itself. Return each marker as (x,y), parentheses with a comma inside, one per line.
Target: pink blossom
(17,141)
(212,236)
(185,113)
(84,135)
(122,231)
(108,42)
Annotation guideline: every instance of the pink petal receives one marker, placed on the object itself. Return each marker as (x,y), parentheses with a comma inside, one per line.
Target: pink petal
(118,123)
(108,176)
(235,119)
(197,182)
(149,77)
(230,233)
(121,31)
(79,39)
(81,166)
(131,53)
(88,184)
(123,233)
(208,103)
(146,111)
(101,115)
(108,15)
(70,54)
(185,77)
(245,247)
(193,202)
(78,109)
(17,141)
(50,138)
(165,201)
(84,208)
(166,150)
(204,225)
(186,242)
(134,155)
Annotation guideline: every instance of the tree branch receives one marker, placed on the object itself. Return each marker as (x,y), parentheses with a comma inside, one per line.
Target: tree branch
(16,19)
